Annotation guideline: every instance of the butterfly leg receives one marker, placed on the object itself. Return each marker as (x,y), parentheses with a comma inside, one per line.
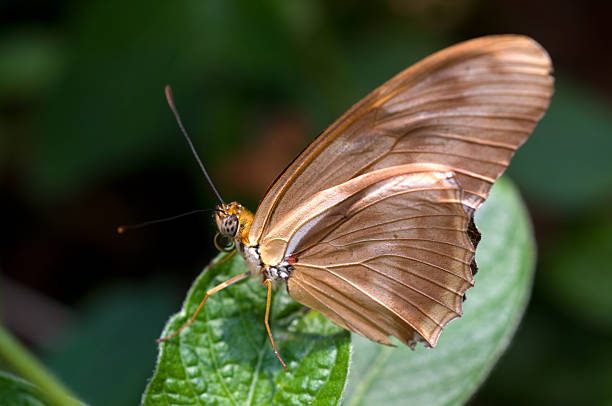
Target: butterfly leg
(268,284)
(227,257)
(217,288)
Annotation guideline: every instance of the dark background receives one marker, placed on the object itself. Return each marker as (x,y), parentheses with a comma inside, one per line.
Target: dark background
(87,143)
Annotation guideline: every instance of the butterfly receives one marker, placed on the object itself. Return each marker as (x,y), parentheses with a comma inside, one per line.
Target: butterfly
(372,224)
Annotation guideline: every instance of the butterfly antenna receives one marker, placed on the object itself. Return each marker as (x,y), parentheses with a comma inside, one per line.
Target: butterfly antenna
(123,229)
(170,99)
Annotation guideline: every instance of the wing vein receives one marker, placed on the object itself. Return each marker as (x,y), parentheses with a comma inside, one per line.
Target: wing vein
(348,244)
(361,315)
(414,289)
(374,298)
(394,220)
(471,158)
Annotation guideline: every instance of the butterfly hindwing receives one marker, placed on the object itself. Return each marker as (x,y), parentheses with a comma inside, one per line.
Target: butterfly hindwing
(382,275)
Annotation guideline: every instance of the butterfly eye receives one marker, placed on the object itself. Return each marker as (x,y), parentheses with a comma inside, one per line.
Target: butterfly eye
(228,226)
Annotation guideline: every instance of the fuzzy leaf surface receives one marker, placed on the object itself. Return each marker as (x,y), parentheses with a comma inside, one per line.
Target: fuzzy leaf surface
(225,358)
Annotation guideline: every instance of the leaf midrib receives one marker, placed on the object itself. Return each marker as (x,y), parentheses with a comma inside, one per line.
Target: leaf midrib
(255,375)
(214,361)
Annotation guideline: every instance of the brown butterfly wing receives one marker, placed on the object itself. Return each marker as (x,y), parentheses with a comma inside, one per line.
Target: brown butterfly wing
(397,262)
(467,107)
(380,249)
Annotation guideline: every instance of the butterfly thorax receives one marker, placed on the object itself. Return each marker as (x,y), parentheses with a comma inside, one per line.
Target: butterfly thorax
(234,221)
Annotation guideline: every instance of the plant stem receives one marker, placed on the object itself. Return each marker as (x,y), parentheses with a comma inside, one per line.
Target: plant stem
(19,358)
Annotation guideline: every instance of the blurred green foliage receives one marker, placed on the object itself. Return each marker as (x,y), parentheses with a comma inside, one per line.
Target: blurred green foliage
(113,341)
(568,162)
(87,142)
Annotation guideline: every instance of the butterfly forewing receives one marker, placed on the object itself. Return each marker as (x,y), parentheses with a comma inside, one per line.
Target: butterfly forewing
(468,107)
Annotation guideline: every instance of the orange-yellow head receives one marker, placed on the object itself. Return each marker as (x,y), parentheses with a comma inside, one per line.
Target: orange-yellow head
(233,221)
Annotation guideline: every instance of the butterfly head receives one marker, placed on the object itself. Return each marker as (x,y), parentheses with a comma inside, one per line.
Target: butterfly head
(233,220)
(227,222)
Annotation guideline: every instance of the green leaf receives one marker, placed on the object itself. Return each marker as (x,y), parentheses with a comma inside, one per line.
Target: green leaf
(469,347)
(224,357)
(16,391)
